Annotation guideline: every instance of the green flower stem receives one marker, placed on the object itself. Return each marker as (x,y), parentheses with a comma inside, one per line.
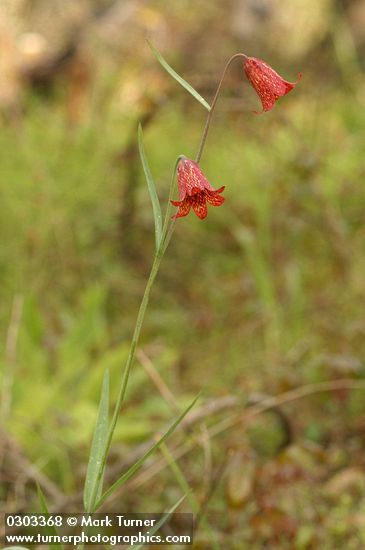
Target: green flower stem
(168,228)
(212,107)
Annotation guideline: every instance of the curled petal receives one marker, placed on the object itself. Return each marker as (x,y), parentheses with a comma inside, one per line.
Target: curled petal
(199,204)
(184,208)
(214,199)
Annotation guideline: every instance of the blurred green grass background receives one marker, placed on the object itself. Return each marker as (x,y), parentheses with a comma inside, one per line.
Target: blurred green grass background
(264,296)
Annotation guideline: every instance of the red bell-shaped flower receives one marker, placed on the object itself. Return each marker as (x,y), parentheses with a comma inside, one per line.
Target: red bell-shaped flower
(195,190)
(268,84)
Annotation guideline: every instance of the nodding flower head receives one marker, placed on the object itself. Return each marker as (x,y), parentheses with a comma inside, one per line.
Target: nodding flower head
(195,190)
(268,84)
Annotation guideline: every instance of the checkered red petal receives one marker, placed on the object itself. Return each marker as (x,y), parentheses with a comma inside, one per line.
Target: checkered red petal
(214,199)
(184,207)
(199,204)
(195,190)
(268,84)
(190,178)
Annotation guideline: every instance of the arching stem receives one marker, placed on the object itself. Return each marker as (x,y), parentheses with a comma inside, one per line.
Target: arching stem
(212,107)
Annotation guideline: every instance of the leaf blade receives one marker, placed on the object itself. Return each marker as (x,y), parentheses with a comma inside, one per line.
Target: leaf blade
(129,473)
(161,522)
(50,530)
(151,189)
(184,485)
(177,77)
(97,450)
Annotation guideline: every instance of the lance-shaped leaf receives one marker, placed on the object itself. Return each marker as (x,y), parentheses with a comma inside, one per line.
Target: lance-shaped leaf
(151,188)
(160,523)
(184,485)
(178,78)
(137,465)
(49,530)
(94,477)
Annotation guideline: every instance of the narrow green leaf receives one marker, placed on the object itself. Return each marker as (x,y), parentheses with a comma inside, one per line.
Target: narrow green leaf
(184,485)
(160,523)
(50,530)
(136,466)
(93,488)
(178,78)
(151,188)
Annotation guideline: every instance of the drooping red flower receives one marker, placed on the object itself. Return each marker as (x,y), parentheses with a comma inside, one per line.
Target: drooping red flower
(195,190)
(268,84)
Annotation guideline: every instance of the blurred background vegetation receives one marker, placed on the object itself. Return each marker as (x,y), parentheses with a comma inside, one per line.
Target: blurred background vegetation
(265,296)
